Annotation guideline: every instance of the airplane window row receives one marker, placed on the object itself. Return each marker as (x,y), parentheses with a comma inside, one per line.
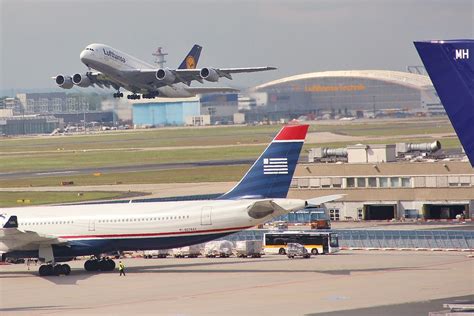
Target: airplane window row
(46,223)
(147,219)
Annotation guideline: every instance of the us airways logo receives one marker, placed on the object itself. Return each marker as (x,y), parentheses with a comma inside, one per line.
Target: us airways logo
(275,166)
(462,54)
(113,55)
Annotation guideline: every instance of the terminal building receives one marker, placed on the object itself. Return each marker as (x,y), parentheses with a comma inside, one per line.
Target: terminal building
(347,93)
(378,185)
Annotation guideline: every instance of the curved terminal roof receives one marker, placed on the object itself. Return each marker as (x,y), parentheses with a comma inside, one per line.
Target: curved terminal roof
(397,77)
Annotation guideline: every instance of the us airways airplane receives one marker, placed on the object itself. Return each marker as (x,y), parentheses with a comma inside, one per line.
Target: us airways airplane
(450,65)
(117,69)
(59,233)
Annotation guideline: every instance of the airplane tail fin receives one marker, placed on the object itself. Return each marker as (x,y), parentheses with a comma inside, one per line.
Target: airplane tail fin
(270,176)
(192,58)
(450,65)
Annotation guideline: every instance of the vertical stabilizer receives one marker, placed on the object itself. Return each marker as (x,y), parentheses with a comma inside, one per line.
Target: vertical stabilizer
(270,176)
(192,58)
(450,65)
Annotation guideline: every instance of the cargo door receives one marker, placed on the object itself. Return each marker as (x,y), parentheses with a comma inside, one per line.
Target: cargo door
(206,214)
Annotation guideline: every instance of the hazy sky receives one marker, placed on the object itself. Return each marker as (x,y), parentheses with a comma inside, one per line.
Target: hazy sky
(40,39)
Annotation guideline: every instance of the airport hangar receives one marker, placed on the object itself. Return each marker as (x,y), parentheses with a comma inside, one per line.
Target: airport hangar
(345,93)
(378,183)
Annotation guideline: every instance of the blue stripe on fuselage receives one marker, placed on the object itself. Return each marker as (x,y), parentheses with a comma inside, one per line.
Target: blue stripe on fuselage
(98,246)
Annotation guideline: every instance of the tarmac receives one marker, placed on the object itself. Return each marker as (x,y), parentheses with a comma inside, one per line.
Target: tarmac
(346,282)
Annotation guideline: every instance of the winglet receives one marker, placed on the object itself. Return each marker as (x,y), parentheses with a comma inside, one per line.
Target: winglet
(192,58)
(12,222)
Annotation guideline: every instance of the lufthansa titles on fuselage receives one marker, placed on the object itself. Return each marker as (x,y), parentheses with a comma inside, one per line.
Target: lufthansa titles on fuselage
(114,55)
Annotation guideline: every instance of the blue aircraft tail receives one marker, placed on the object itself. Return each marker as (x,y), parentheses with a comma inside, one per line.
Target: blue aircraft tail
(450,65)
(270,176)
(192,58)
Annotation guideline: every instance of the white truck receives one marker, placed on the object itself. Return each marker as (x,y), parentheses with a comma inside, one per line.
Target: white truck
(249,248)
(161,253)
(190,251)
(218,248)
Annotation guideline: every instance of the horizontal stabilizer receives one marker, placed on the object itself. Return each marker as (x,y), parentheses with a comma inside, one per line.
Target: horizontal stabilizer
(324,199)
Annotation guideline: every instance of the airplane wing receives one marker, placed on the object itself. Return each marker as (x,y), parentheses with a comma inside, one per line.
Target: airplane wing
(17,239)
(202,90)
(213,74)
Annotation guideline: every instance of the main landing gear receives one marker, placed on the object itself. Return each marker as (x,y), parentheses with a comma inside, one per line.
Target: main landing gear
(118,95)
(133,96)
(57,269)
(104,264)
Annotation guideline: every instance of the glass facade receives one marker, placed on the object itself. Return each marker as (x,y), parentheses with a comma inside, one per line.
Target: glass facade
(339,95)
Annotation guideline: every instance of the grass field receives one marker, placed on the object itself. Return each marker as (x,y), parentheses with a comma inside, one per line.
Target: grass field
(155,146)
(12,199)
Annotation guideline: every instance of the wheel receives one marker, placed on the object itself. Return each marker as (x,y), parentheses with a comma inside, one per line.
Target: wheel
(58,269)
(66,269)
(45,270)
(282,251)
(111,265)
(314,251)
(91,265)
(103,265)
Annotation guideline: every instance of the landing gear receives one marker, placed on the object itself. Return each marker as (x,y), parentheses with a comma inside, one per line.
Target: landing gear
(133,96)
(118,95)
(103,264)
(150,95)
(58,269)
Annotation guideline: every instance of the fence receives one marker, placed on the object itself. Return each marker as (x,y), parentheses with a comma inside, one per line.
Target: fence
(398,239)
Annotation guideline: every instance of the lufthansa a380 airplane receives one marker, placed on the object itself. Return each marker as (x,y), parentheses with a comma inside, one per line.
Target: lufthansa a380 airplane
(450,65)
(120,70)
(59,233)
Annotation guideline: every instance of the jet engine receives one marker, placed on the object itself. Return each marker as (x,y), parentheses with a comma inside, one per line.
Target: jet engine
(165,75)
(64,82)
(81,80)
(209,74)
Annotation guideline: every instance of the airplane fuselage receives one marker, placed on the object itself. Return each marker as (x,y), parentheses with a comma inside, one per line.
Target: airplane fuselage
(95,229)
(121,67)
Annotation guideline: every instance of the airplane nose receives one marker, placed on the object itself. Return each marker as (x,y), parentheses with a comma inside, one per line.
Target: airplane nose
(84,56)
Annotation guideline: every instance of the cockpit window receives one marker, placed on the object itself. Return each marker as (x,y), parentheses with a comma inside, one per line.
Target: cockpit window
(88,48)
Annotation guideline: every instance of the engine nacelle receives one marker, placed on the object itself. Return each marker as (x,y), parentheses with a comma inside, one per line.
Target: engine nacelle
(165,75)
(209,74)
(81,80)
(64,82)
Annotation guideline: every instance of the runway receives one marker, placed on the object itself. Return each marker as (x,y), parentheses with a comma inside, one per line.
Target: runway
(119,169)
(273,285)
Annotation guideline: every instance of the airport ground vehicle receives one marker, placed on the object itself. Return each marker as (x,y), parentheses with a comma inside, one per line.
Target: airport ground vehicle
(297,250)
(218,248)
(193,251)
(161,253)
(248,248)
(315,242)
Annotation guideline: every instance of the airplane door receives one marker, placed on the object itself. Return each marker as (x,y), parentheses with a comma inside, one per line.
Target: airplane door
(206,212)
(92,225)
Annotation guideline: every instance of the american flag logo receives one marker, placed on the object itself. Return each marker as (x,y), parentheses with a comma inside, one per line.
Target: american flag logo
(275,166)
